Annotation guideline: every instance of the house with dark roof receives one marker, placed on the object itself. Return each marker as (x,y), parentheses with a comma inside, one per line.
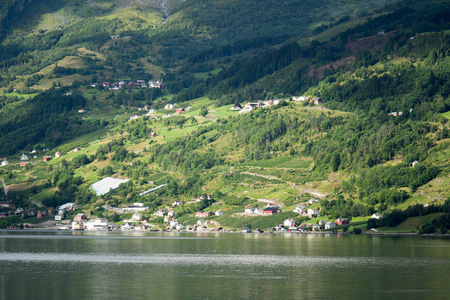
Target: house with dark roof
(268,211)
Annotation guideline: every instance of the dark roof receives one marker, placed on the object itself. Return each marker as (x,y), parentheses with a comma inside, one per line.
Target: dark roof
(270,208)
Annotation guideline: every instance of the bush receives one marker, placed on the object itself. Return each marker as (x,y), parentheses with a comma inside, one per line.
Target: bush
(357,230)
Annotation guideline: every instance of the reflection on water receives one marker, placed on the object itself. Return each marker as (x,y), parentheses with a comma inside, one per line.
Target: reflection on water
(224,260)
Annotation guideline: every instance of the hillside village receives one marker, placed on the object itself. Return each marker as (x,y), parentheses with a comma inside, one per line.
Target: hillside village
(238,127)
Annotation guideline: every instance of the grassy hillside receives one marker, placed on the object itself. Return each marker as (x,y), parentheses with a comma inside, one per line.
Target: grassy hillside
(352,152)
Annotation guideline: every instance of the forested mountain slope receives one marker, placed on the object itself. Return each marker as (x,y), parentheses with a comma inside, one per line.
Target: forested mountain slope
(382,72)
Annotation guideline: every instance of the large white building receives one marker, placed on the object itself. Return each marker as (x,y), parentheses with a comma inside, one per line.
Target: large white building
(107,184)
(97,224)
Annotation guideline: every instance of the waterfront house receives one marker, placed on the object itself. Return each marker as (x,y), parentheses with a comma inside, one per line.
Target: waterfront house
(246,230)
(330,225)
(97,224)
(78,225)
(289,223)
(201,222)
(127,227)
(315,227)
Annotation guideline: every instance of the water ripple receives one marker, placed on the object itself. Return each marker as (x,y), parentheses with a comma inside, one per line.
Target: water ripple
(224,260)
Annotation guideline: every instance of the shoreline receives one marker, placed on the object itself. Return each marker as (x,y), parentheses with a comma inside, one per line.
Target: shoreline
(236,232)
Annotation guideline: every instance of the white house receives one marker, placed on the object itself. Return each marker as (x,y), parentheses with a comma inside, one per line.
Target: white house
(24,157)
(249,210)
(313,200)
(170,106)
(415,163)
(78,225)
(137,217)
(161,212)
(377,216)
(258,211)
(312,212)
(201,222)
(219,213)
(171,213)
(173,223)
(177,203)
(58,217)
(300,98)
(289,223)
(330,225)
(127,226)
(5,163)
(179,227)
(299,209)
(96,224)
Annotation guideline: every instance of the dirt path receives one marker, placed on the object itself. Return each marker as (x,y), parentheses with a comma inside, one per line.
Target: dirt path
(263,176)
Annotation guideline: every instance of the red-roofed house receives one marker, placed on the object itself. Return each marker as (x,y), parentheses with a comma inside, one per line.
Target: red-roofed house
(341,221)
(268,211)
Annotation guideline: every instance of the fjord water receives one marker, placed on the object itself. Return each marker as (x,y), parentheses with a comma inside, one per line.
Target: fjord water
(138,265)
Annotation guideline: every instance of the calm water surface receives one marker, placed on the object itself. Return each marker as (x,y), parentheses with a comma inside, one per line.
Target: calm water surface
(114,265)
